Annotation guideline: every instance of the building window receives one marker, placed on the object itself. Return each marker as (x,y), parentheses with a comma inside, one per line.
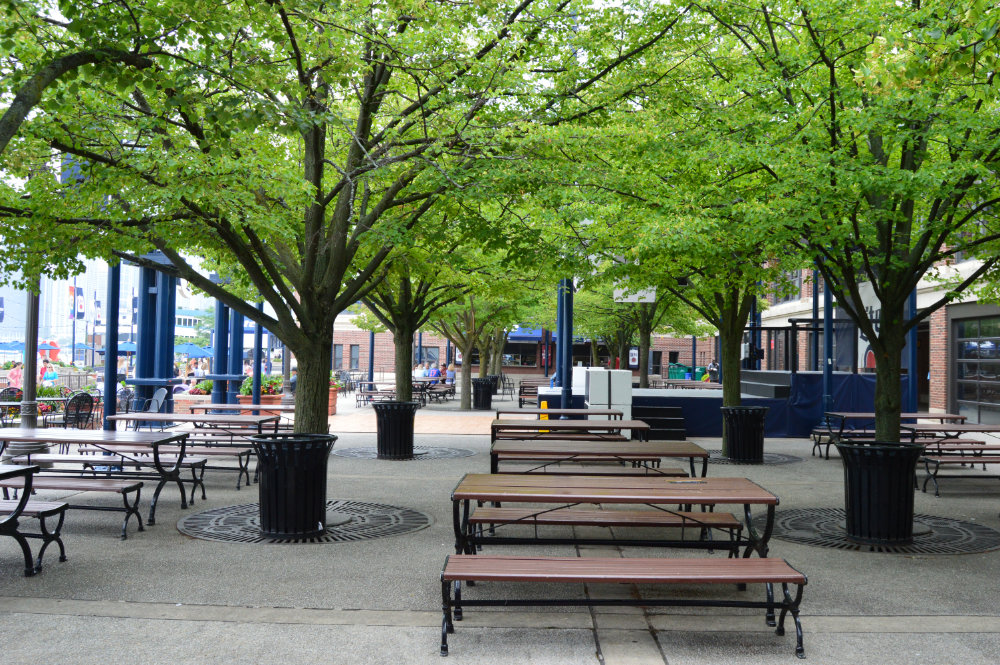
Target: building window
(355,356)
(977,369)
(338,356)
(794,278)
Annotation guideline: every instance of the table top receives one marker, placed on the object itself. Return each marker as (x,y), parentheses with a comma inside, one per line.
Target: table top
(949,428)
(572,425)
(206,418)
(60,435)
(847,415)
(38,399)
(546,488)
(15,470)
(277,408)
(562,412)
(557,448)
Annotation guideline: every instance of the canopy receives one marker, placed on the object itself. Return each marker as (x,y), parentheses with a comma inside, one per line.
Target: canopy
(45,346)
(520,334)
(191,351)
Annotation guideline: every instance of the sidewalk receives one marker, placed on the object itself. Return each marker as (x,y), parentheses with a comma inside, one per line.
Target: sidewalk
(162,596)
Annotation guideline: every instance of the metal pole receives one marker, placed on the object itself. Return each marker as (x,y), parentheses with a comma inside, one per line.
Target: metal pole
(29,404)
(420,348)
(258,340)
(827,349)
(566,369)
(111,346)
(815,337)
(694,354)
(447,351)
(546,348)
(72,316)
(235,355)
(220,355)
(371,356)
(557,365)
(912,390)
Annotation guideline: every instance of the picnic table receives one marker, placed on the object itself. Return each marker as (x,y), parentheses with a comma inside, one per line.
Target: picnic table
(837,430)
(556,413)
(235,424)
(167,465)
(656,492)
(553,452)
(594,429)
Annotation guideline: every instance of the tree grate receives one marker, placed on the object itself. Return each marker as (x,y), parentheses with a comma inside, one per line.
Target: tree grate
(419,453)
(715,457)
(241,524)
(824,527)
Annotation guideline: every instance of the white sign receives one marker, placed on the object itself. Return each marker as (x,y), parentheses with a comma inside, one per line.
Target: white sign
(642,295)
(633,357)
(458,357)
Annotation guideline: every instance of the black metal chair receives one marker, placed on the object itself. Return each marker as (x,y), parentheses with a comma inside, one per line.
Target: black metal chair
(153,405)
(10,414)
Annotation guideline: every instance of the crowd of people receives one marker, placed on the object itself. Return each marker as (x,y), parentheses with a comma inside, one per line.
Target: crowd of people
(429,370)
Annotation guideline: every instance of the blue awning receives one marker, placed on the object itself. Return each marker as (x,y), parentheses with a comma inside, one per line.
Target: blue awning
(520,334)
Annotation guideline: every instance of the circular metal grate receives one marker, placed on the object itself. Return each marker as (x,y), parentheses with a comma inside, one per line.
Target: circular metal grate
(715,457)
(241,524)
(824,527)
(419,453)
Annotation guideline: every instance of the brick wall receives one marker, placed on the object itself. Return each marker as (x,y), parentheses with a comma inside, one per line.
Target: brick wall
(939,336)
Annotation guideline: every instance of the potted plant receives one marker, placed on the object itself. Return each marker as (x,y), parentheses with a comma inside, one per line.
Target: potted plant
(270,390)
(335,385)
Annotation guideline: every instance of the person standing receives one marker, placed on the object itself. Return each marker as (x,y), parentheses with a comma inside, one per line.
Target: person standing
(713,370)
(15,378)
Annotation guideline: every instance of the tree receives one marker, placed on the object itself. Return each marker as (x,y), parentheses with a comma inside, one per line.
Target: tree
(876,128)
(291,145)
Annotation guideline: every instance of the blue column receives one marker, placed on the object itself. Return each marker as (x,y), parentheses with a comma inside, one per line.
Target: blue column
(371,355)
(827,349)
(815,320)
(220,359)
(235,355)
(546,347)
(566,339)
(258,335)
(447,351)
(557,364)
(694,355)
(420,347)
(145,355)
(111,345)
(166,301)
(912,389)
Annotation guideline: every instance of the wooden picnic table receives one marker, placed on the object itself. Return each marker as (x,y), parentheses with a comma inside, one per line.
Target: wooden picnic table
(555,413)
(946,430)
(691,384)
(219,421)
(529,429)
(553,451)
(656,492)
(168,466)
(273,408)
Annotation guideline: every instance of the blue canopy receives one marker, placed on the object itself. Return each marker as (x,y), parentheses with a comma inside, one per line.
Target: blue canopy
(81,345)
(12,346)
(520,334)
(124,348)
(191,351)
(45,346)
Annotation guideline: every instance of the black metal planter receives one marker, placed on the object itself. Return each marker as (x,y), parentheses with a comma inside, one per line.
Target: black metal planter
(292,485)
(482,394)
(878,491)
(743,428)
(394,423)
(494,383)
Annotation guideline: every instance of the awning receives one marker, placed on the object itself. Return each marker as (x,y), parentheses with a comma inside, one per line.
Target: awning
(520,334)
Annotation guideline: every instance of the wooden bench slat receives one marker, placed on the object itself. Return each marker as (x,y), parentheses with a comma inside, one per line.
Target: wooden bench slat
(87,484)
(33,508)
(490,568)
(579,517)
(585,470)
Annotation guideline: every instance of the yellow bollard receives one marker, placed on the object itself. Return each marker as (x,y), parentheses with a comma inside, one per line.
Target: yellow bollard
(544,416)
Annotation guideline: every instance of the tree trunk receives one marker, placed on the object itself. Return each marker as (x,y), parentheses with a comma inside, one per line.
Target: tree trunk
(643,360)
(465,384)
(595,360)
(888,370)
(312,390)
(402,340)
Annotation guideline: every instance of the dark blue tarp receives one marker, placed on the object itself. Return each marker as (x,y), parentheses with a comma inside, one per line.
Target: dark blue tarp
(794,417)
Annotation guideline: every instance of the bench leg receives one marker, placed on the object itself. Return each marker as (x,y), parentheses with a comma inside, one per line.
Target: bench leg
(130,510)
(51,536)
(29,562)
(792,606)
(446,622)
(197,480)
(932,475)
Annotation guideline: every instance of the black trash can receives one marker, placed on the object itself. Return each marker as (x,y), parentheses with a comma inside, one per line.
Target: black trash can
(494,383)
(743,429)
(394,423)
(482,394)
(292,483)
(878,491)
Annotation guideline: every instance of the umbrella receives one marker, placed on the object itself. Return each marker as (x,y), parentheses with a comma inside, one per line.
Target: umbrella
(12,346)
(81,345)
(45,346)
(191,351)
(124,348)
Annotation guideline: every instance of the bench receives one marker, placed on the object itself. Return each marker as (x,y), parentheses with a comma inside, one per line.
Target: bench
(544,570)
(561,436)
(40,510)
(128,489)
(822,436)
(528,392)
(241,454)
(933,464)
(597,470)
(704,522)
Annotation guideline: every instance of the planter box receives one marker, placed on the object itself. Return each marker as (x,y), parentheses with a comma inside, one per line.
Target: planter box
(333,402)
(264,399)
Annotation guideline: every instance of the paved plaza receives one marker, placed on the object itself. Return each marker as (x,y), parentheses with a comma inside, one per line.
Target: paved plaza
(164,597)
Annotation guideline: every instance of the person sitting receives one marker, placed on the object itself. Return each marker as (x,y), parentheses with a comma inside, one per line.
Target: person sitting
(450,374)
(433,373)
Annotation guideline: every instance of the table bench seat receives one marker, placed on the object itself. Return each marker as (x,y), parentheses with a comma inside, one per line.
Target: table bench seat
(609,518)
(48,533)
(130,491)
(600,470)
(546,570)
(565,436)
(241,454)
(933,464)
